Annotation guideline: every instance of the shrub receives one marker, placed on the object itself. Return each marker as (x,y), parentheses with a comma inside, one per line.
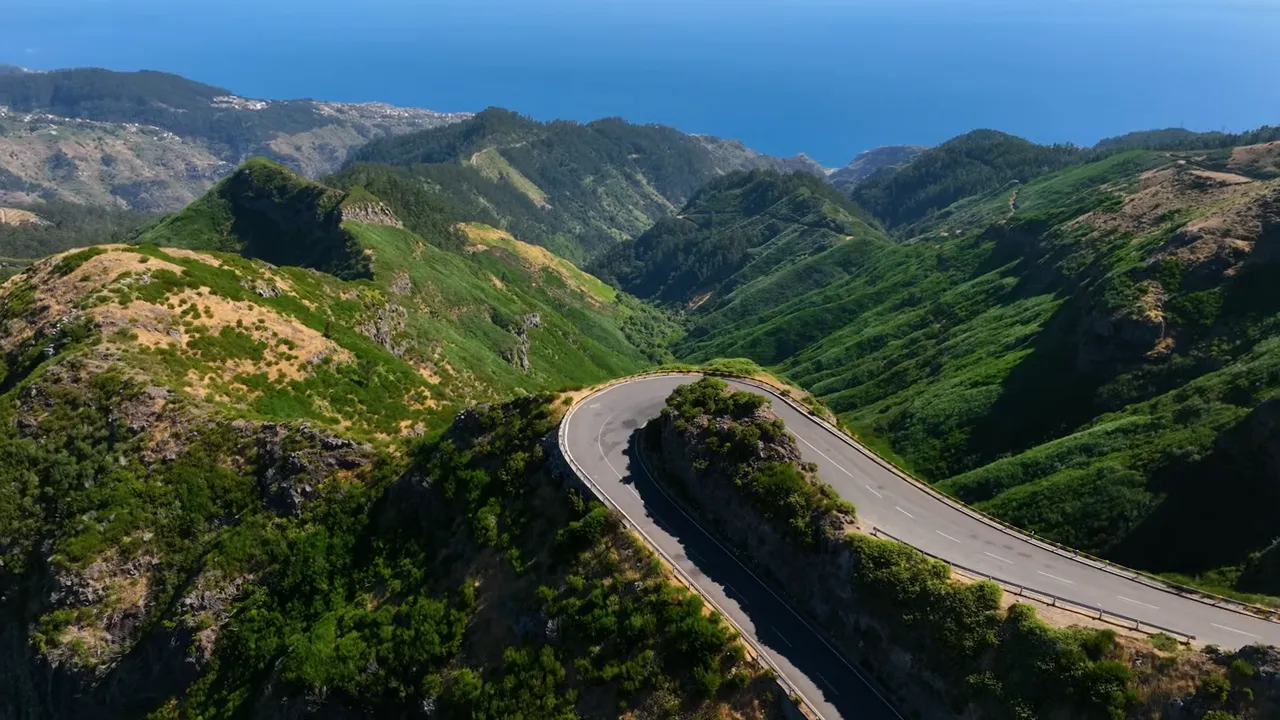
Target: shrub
(1242,669)
(1216,688)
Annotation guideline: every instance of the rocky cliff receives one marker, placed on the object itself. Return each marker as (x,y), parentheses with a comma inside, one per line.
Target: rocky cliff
(814,573)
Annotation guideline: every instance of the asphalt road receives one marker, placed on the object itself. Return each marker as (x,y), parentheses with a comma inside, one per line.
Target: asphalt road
(600,435)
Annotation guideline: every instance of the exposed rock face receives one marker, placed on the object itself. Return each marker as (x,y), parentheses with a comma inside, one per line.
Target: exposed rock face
(401,284)
(1107,336)
(383,327)
(870,161)
(519,355)
(372,213)
(816,579)
(294,460)
(1218,246)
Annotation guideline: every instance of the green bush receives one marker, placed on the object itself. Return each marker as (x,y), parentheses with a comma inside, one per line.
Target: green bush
(1242,669)
(1216,688)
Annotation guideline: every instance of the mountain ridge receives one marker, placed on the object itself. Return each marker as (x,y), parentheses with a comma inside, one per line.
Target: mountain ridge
(576,188)
(1132,279)
(156,141)
(869,162)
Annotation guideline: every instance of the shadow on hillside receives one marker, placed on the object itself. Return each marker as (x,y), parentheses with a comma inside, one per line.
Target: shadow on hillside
(1045,396)
(751,604)
(1217,508)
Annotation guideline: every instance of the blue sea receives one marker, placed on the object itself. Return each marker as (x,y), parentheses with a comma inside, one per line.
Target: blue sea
(824,77)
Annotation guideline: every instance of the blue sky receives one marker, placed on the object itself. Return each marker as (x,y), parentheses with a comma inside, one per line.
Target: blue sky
(826,77)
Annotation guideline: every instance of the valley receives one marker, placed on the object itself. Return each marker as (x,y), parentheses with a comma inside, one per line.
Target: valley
(308,410)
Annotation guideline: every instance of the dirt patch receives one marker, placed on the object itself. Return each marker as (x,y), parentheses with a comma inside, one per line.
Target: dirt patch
(428,373)
(56,296)
(1256,160)
(205,258)
(1217,245)
(698,300)
(13,216)
(1176,191)
(292,346)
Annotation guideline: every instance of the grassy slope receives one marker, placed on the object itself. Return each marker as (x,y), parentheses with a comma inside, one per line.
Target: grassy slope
(461,574)
(983,655)
(964,355)
(738,228)
(603,181)
(451,315)
(254,554)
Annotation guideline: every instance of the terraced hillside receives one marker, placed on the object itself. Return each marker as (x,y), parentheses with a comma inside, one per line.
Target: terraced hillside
(1090,355)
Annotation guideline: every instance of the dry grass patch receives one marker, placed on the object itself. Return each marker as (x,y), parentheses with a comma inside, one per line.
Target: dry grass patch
(14,216)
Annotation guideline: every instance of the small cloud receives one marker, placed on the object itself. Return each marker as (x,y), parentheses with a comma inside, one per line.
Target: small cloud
(31,51)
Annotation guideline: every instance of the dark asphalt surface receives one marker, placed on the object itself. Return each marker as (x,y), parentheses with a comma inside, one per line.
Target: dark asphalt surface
(599,435)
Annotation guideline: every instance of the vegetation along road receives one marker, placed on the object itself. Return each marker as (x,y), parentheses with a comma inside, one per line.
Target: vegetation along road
(600,436)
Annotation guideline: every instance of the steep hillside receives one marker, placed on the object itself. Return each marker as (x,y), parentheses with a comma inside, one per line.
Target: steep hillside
(36,230)
(974,652)
(155,141)
(214,505)
(973,163)
(574,188)
(479,324)
(734,155)
(737,228)
(869,162)
(1091,355)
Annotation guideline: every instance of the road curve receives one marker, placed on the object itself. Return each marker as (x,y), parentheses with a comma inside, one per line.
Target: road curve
(599,436)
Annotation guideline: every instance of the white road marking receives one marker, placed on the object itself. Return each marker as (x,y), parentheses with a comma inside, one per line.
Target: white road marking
(824,455)
(827,683)
(735,591)
(767,589)
(1055,577)
(946,536)
(998,558)
(1231,629)
(633,490)
(904,512)
(600,447)
(1137,602)
(784,637)
(785,604)
(874,491)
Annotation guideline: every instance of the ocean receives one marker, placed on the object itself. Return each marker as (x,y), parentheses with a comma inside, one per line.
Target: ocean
(824,77)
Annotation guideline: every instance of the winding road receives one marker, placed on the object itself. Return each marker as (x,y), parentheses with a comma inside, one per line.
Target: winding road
(599,436)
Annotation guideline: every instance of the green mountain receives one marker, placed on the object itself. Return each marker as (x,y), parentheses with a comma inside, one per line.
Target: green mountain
(39,229)
(240,485)
(1091,355)
(574,188)
(1182,139)
(736,229)
(483,317)
(973,163)
(154,141)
